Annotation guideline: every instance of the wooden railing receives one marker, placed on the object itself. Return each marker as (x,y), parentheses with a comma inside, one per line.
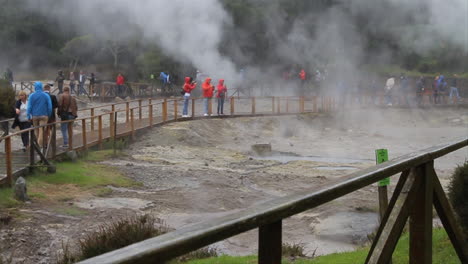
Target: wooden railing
(96,128)
(417,190)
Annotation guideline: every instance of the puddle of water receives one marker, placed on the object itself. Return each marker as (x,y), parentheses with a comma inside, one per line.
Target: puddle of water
(115,203)
(285,158)
(334,168)
(350,227)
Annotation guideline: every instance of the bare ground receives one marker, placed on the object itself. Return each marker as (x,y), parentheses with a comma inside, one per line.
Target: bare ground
(198,170)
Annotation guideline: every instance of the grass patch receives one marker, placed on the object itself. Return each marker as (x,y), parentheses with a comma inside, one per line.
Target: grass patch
(7,199)
(82,174)
(71,211)
(443,252)
(103,192)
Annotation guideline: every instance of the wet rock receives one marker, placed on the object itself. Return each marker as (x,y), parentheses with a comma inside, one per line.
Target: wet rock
(21,190)
(72,155)
(262,149)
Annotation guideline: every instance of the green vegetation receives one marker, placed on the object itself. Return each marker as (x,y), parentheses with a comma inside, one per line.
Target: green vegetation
(6,198)
(443,254)
(114,236)
(458,194)
(8,100)
(74,179)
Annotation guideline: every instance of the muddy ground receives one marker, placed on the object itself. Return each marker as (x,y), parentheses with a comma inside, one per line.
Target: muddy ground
(198,170)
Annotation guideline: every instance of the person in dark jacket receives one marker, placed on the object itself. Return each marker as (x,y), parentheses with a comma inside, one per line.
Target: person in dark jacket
(54,101)
(21,118)
(68,110)
(60,79)
(454,88)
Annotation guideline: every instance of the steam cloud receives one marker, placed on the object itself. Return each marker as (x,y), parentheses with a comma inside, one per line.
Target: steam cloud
(192,31)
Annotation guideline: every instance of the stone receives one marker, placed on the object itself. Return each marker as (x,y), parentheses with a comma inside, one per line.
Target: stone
(21,190)
(262,149)
(72,155)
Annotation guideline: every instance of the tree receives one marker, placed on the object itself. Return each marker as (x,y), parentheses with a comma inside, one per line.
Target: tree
(78,48)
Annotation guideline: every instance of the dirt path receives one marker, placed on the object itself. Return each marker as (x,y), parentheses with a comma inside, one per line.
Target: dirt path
(194,171)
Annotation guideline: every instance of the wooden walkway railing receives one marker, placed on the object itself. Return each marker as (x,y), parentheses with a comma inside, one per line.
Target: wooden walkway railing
(417,190)
(126,118)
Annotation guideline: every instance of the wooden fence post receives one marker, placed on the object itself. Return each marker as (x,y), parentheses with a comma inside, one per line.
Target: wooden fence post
(253,105)
(127,112)
(83,134)
(9,161)
(421,219)
(31,149)
(193,107)
(231,104)
(210,106)
(70,136)
(175,109)
(164,110)
(150,114)
(53,141)
(111,124)
(270,243)
(132,123)
(279,105)
(272,104)
(100,131)
(139,109)
(92,119)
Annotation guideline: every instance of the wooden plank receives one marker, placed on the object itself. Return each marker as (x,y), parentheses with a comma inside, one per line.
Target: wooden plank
(421,220)
(83,134)
(391,205)
(150,115)
(449,220)
(127,112)
(92,119)
(270,243)
(140,115)
(193,107)
(232,105)
(253,105)
(8,161)
(100,131)
(383,201)
(175,109)
(391,232)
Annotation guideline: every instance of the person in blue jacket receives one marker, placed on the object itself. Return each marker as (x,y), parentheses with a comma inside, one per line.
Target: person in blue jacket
(165,81)
(39,110)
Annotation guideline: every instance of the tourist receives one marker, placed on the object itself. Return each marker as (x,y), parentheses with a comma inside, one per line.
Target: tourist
(120,84)
(221,95)
(81,83)
(72,82)
(303,79)
(389,91)
(51,120)
(92,83)
(60,79)
(420,90)
(21,118)
(39,109)
(164,77)
(454,88)
(67,110)
(208,90)
(188,88)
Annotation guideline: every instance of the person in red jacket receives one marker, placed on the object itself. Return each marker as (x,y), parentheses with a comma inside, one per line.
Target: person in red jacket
(208,90)
(221,95)
(120,84)
(188,87)
(303,78)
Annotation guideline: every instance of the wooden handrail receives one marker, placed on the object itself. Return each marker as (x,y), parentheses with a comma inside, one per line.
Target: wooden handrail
(192,237)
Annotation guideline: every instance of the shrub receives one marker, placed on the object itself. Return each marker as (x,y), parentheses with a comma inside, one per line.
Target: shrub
(7,104)
(114,236)
(458,194)
(294,250)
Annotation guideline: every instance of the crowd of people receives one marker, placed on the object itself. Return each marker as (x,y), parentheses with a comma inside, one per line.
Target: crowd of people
(208,91)
(41,108)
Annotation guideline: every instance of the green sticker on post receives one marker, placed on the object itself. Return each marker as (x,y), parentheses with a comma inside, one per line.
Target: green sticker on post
(381,155)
